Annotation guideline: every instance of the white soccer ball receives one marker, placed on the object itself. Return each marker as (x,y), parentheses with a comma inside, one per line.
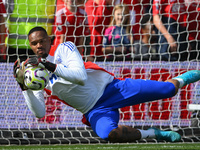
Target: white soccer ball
(36,78)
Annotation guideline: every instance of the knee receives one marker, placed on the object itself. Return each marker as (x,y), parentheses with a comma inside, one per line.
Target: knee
(124,134)
(114,136)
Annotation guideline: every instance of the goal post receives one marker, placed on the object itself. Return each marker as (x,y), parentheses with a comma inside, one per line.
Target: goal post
(63,124)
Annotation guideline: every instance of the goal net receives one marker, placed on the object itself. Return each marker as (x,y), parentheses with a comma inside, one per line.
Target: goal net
(140,58)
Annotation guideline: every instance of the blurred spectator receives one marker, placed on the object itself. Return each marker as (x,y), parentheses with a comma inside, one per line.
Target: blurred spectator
(70,24)
(60,4)
(137,9)
(145,49)
(23,16)
(99,13)
(168,17)
(2,31)
(117,38)
(193,22)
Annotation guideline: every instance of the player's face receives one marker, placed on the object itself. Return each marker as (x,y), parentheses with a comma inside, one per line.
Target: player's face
(40,43)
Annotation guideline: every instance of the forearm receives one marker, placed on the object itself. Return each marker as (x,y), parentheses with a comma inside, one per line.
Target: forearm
(107,50)
(160,26)
(35,103)
(115,50)
(62,38)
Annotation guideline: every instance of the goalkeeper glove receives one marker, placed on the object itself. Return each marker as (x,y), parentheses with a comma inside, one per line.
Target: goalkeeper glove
(18,73)
(40,62)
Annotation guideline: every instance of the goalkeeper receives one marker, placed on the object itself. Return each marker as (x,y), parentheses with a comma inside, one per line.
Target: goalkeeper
(94,91)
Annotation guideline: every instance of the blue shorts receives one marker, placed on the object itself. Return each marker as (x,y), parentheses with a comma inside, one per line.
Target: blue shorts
(104,116)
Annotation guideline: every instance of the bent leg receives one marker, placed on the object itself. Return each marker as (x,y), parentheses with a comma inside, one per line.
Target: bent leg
(124,134)
(105,124)
(121,93)
(128,134)
(188,77)
(103,121)
(140,91)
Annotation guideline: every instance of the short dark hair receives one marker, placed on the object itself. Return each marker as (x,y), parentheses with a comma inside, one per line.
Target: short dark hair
(146,18)
(37,29)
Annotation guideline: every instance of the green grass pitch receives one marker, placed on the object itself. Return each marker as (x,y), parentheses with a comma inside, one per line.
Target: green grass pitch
(154,146)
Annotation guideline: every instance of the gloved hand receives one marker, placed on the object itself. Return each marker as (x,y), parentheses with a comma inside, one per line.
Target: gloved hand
(18,73)
(40,62)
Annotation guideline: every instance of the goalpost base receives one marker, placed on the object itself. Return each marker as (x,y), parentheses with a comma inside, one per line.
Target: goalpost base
(193,107)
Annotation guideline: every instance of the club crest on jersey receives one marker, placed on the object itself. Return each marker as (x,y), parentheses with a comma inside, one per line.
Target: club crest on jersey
(58,60)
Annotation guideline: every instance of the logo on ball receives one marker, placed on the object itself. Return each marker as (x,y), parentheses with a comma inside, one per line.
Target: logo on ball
(36,78)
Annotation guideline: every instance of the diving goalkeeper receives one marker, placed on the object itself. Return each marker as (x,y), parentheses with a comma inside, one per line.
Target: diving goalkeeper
(95,92)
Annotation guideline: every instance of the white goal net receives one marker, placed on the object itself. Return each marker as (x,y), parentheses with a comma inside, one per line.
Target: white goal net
(140,58)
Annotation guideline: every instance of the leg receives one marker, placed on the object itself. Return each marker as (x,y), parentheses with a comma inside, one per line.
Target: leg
(124,134)
(103,121)
(130,92)
(188,77)
(105,124)
(184,79)
(128,134)
(176,84)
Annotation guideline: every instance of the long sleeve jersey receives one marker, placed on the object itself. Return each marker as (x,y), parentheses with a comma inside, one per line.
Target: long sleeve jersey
(71,82)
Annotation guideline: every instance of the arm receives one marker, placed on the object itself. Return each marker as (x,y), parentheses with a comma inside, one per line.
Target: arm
(35,101)
(62,37)
(2,32)
(60,26)
(116,50)
(68,64)
(71,67)
(107,48)
(159,25)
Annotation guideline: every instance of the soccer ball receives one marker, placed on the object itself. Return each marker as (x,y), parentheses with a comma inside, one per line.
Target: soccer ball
(36,78)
